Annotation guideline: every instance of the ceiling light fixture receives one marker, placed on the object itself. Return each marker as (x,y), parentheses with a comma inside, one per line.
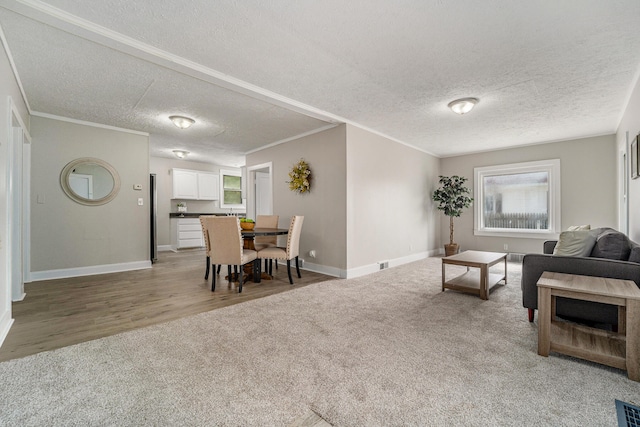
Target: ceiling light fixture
(463,105)
(181,154)
(181,121)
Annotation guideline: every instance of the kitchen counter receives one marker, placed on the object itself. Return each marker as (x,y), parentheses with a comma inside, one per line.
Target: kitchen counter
(197,215)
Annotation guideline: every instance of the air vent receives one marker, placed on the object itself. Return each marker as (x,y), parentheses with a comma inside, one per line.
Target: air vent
(628,414)
(383,264)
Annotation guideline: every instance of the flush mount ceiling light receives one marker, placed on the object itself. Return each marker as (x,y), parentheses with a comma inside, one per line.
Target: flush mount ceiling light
(463,105)
(181,121)
(181,154)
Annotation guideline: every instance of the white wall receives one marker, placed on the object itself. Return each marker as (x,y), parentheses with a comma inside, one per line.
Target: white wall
(630,124)
(8,89)
(162,168)
(71,239)
(588,190)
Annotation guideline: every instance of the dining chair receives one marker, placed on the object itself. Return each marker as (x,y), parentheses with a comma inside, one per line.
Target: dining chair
(291,251)
(226,246)
(207,245)
(266,221)
(263,242)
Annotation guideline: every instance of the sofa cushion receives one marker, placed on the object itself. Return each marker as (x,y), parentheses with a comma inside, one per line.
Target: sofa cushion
(634,256)
(612,244)
(575,243)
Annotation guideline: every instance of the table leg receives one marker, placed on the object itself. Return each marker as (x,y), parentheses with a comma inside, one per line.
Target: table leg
(633,339)
(505,269)
(544,321)
(484,272)
(443,276)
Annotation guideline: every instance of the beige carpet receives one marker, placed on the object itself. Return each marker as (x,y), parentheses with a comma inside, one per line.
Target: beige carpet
(389,349)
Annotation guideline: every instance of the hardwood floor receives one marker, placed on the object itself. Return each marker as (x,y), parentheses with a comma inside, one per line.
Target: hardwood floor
(62,312)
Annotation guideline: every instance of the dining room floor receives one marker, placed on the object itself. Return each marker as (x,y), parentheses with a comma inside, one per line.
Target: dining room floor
(62,312)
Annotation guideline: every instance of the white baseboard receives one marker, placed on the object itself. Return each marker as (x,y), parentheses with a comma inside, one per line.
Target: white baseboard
(5,324)
(88,271)
(367,269)
(165,248)
(374,268)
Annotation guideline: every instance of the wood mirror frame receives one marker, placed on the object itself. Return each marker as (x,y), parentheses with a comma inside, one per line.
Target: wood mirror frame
(85,161)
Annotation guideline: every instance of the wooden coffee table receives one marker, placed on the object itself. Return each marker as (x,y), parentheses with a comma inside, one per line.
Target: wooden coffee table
(474,281)
(620,350)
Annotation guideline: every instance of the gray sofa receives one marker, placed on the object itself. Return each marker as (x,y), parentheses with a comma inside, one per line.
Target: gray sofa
(613,256)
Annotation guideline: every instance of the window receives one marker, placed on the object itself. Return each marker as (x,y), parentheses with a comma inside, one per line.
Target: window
(518,200)
(231,189)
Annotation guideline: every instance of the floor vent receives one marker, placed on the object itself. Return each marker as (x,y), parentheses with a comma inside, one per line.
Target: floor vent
(515,257)
(628,414)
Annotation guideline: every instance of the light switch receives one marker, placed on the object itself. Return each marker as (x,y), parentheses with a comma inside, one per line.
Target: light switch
(140,201)
(137,186)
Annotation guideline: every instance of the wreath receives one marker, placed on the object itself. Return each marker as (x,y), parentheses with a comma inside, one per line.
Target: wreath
(300,176)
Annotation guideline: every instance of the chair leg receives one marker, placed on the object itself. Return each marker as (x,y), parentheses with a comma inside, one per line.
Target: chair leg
(531,314)
(219,265)
(270,267)
(289,271)
(240,280)
(213,281)
(298,269)
(206,272)
(229,273)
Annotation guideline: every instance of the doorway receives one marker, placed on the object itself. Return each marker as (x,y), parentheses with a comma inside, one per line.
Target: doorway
(259,190)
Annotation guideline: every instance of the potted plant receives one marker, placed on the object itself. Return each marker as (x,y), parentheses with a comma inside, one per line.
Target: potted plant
(452,198)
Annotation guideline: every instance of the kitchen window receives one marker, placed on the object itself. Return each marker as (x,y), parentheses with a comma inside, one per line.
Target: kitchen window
(518,200)
(231,189)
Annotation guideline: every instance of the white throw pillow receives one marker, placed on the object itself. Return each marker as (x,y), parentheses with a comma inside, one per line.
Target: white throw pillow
(575,243)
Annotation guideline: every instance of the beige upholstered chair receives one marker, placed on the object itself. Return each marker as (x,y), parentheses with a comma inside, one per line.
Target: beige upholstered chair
(263,242)
(266,221)
(226,245)
(292,249)
(207,245)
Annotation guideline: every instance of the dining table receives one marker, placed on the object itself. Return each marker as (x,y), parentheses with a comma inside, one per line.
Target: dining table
(255,272)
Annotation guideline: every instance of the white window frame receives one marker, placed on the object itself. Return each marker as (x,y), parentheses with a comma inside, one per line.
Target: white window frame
(552,167)
(224,172)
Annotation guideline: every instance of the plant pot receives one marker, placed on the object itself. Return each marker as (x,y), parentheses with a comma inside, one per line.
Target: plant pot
(451,249)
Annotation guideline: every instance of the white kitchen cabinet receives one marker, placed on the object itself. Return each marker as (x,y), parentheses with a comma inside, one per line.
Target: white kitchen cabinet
(208,186)
(186,233)
(195,185)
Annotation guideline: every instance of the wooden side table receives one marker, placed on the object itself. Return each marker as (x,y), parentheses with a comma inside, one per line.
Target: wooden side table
(619,350)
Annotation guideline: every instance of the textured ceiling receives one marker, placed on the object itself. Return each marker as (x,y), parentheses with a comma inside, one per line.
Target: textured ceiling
(255,72)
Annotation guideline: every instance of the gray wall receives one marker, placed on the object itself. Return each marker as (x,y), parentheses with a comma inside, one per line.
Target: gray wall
(630,124)
(65,234)
(369,199)
(588,191)
(389,209)
(162,168)
(324,208)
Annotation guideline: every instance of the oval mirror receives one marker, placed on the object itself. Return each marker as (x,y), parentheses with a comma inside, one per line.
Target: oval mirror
(90,181)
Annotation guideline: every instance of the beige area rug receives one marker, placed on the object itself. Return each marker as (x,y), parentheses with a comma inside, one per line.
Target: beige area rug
(388,349)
